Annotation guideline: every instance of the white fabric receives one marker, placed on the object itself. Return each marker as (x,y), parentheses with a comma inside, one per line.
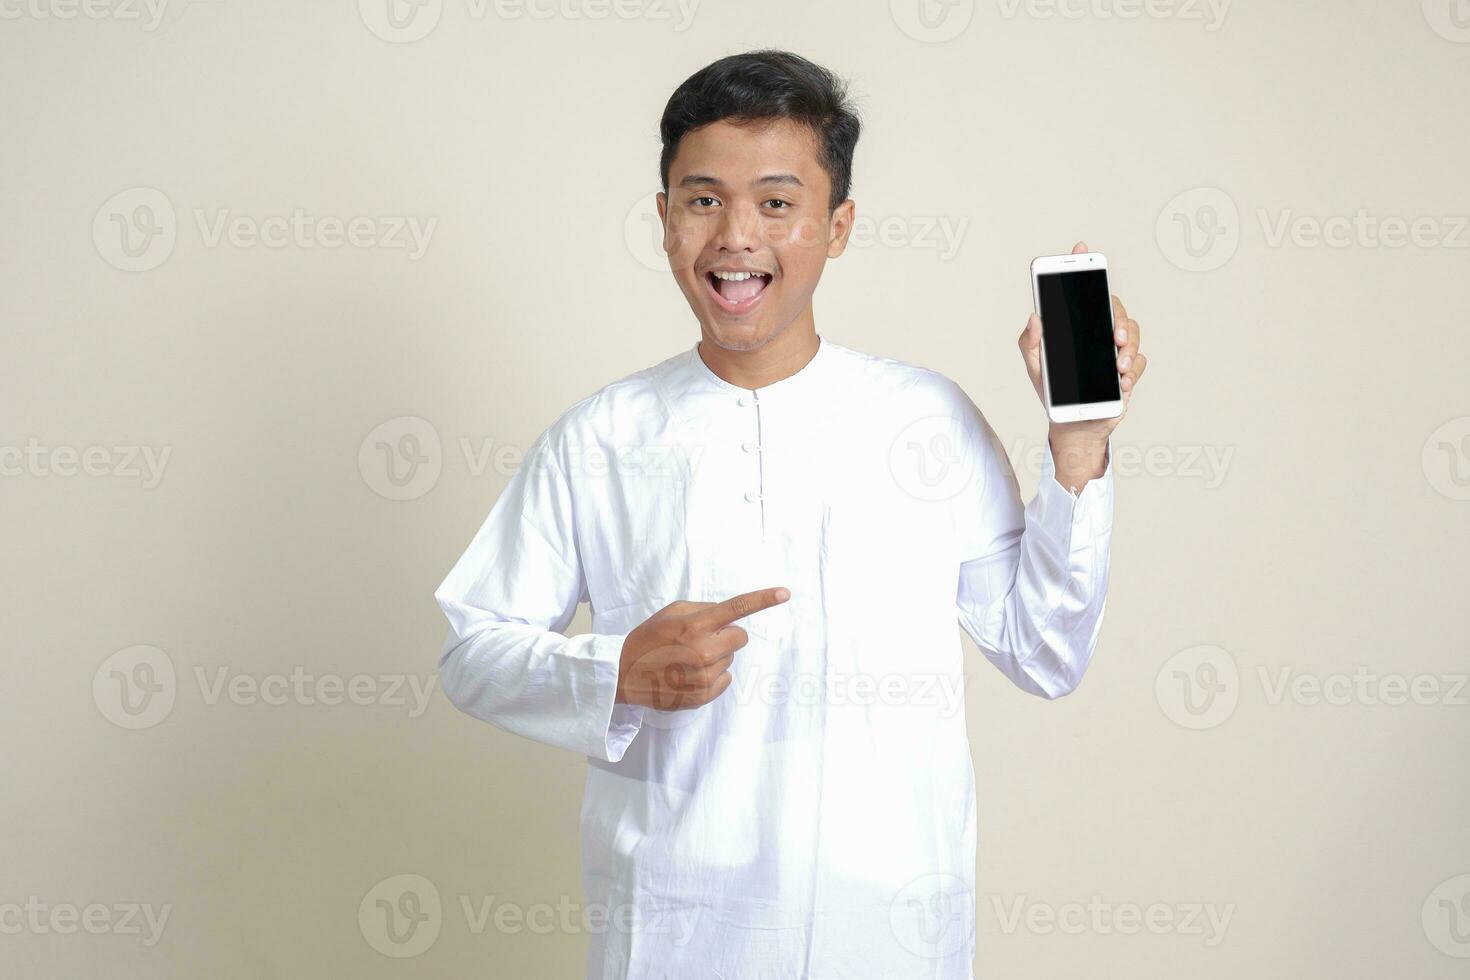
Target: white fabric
(801,825)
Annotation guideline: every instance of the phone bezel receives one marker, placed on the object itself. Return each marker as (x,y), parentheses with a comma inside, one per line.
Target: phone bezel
(1081,261)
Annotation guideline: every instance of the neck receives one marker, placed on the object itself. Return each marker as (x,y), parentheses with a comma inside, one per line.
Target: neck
(779,358)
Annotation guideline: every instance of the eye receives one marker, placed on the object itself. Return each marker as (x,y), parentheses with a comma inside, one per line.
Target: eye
(698,201)
(784,205)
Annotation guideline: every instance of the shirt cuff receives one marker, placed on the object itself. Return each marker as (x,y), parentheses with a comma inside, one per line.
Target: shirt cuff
(1060,507)
(610,726)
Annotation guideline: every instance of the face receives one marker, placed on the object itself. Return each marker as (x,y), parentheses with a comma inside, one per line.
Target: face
(750,199)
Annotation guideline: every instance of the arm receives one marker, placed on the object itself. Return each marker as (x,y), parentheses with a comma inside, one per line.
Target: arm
(508,599)
(1033,582)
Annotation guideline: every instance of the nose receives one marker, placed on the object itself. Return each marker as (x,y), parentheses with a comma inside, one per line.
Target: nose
(738,230)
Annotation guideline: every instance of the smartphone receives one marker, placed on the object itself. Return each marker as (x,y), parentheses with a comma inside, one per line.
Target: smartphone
(1079,359)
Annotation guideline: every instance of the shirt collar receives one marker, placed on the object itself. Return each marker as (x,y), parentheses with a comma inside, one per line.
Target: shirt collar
(805,384)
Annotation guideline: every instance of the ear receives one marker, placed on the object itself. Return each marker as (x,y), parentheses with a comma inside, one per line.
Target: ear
(839,227)
(663,205)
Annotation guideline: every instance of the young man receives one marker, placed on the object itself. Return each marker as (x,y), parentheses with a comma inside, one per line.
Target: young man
(777,535)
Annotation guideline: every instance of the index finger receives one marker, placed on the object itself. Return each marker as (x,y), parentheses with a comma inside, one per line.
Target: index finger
(722,614)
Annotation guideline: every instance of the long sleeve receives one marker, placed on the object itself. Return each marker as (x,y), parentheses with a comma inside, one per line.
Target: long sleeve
(508,599)
(1033,581)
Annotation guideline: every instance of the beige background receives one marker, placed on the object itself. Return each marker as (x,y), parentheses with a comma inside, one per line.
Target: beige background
(1327,382)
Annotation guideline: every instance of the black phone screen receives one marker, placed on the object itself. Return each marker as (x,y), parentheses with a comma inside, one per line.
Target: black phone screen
(1076,329)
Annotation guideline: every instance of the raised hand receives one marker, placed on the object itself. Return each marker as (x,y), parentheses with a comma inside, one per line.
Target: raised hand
(679,657)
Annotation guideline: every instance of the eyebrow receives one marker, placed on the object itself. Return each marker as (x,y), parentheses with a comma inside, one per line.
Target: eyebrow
(704,180)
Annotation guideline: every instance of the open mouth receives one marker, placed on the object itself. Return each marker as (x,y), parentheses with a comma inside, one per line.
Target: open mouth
(737,292)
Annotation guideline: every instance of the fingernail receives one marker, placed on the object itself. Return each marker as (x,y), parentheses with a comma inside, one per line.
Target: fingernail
(783,594)
(1127,360)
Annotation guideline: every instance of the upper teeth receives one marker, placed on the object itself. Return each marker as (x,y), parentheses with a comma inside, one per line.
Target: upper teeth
(736,276)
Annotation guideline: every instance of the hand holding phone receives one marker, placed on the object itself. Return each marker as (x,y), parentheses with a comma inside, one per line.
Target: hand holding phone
(1079,356)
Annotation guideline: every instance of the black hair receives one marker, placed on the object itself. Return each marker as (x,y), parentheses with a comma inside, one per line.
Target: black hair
(767,85)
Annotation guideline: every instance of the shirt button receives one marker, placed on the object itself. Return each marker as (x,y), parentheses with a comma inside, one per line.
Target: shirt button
(742,401)
(749,447)
(752,496)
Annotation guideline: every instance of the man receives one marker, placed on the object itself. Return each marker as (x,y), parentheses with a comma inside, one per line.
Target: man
(776,534)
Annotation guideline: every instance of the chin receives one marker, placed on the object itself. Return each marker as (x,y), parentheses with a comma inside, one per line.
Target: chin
(738,336)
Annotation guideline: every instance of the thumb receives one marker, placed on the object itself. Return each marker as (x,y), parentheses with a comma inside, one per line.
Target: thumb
(1079,248)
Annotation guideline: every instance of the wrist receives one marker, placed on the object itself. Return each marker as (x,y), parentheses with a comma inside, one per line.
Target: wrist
(1078,457)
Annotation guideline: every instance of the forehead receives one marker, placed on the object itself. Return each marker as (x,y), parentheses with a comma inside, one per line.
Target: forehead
(740,154)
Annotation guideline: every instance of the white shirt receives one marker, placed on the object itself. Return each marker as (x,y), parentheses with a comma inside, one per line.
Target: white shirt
(817,820)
